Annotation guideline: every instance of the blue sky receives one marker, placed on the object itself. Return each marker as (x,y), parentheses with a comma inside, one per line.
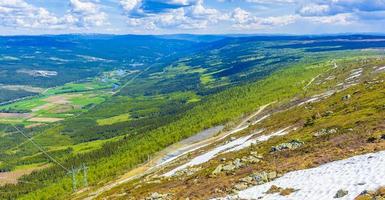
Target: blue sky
(191,16)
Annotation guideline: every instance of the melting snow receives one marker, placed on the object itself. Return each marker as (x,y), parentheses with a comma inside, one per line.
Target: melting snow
(380,69)
(196,138)
(211,154)
(355,174)
(260,119)
(259,139)
(355,74)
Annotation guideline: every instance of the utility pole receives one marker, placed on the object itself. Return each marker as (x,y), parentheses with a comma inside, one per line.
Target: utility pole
(85,177)
(73,175)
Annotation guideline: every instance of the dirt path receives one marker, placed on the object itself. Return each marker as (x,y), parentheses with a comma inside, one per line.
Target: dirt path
(181,147)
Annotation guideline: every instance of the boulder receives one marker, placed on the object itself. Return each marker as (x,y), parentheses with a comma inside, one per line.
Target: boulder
(217,170)
(274,189)
(248,180)
(188,172)
(325,131)
(346,97)
(237,163)
(229,167)
(256,154)
(282,191)
(272,175)
(241,186)
(158,196)
(260,177)
(294,144)
(341,193)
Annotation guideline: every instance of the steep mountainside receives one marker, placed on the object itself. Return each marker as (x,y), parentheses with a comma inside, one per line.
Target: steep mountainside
(339,114)
(177,111)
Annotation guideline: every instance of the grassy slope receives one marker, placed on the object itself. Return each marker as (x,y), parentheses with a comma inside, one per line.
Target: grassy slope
(211,111)
(217,109)
(356,120)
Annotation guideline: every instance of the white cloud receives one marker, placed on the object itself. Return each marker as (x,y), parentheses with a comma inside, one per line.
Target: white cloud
(20,14)
(85,14)
(130,5)
(342,12)
(339,19)
(244,20)
(338,7)
(271,1)
(195,16)
(314,10)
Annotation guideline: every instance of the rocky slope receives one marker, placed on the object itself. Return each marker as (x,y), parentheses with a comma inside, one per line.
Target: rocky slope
(325,143)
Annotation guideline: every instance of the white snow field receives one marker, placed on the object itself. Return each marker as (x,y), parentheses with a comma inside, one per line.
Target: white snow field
(355,174)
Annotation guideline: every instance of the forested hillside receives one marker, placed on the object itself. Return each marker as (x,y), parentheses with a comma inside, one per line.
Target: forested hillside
(122,99)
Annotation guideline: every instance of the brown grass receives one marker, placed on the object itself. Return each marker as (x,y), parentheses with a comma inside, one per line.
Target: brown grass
(14,115)
(45,119)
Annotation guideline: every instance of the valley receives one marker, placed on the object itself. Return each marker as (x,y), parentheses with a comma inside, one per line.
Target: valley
(147,123)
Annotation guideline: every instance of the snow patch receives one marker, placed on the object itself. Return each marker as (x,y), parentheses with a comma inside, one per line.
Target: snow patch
(259,139)
(205,134)
(355,174)
(260,119)
(380,69)
(355,74)
(210,154)
(318,97)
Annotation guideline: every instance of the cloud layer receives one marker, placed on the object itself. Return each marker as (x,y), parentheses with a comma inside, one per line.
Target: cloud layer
(188,15)
(80,14)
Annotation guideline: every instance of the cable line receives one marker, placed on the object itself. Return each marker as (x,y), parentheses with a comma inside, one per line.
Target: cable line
(41,149)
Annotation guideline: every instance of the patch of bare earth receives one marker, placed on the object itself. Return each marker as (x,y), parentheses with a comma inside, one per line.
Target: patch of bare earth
(15,115)
(45,119)
(13,176)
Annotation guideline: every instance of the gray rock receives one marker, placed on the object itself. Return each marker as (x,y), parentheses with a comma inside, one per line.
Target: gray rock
(294,144)
(260,177)
(237,163)
(346,97)
(256,154)
(158,196)
(217,170)
(241,186)
(341,193)
(229,167)
(272,175)
(247,179)
(188,172)
(263,177)
(325,131)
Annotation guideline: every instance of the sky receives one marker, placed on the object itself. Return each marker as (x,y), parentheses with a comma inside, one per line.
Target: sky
(34,17)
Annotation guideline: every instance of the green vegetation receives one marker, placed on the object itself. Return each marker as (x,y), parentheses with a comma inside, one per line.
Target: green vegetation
(355,116)
(26,105)
(115,120)
(117,157)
